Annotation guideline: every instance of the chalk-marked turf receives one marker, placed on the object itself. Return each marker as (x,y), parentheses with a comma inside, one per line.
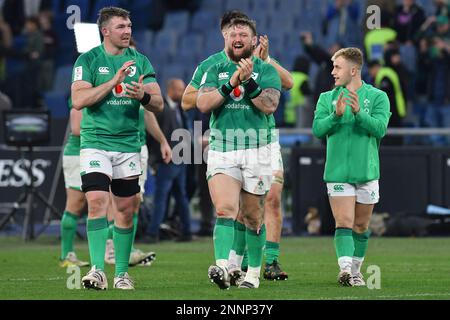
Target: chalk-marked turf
(34,279)
(412,295)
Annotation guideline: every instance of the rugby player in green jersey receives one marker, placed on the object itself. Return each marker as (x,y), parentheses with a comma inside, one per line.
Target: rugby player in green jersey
(273,216)
(353,117)
(110,82)
(241,93)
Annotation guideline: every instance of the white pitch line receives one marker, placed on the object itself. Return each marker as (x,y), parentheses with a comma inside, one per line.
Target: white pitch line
(388,296)
(34,279)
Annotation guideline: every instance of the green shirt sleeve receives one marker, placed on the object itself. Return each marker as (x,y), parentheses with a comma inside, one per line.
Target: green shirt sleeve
(377,122)
(325,119)
(209,78)
(81,69)
(148,71)
(269,78)
(197,77)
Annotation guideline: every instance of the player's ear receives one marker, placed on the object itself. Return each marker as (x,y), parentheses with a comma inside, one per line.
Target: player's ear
(105,31)
(254,41)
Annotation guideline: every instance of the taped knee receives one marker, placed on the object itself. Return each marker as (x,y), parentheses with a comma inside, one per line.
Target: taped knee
(125,188)
(95,181)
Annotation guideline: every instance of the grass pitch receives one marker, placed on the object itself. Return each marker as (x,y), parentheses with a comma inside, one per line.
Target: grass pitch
(411,268)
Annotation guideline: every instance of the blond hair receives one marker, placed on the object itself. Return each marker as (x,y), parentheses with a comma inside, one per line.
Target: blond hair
(353,55)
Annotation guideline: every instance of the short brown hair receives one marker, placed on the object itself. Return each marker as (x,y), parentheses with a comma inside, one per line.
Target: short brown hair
(246,22)
(352,54)
(105,14)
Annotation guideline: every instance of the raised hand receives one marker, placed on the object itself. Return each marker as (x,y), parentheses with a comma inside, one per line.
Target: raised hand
(264,47)
(340,105)
(245,69)
(354,102)
(120,75)
(135,90)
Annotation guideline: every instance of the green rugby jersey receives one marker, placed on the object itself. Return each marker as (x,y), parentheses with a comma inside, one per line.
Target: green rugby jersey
(238,111)
(72,147)
(111,124)
(205,65)
(353,140)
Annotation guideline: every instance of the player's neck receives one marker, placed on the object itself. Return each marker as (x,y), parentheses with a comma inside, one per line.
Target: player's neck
(355,84)
(112,49)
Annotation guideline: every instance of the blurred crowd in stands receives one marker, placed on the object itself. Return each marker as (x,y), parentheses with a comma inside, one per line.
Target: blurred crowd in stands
(408,55)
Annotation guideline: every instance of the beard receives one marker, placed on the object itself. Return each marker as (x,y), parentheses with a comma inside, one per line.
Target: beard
(246,53)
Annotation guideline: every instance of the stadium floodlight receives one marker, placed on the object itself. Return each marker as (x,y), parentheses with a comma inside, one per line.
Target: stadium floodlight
(87,36)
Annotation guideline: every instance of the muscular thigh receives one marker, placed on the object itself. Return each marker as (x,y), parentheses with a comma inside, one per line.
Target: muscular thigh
(225,192)
(343,209)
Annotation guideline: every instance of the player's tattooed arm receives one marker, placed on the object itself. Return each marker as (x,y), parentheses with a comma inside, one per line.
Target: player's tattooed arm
(189,99)
(209,99)
(267,101)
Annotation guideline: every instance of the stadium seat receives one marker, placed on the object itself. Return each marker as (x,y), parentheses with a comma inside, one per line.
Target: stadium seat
(177,21)
(56,102)
(143,38)
(166,41)
(263,6)
(215,6)
(63,79)
(289,7)
(242,5)
(202,21)
(101,4)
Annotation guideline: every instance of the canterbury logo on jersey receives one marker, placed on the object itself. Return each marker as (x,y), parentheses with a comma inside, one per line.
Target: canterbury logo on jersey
(223,75)
(94,164)
(103,70)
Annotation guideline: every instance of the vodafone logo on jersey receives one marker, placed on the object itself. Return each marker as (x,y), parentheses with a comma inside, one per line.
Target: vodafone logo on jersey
(238,93)
(119,90)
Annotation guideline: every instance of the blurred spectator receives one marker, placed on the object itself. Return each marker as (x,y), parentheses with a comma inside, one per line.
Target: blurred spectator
(49,54)
(442,8)
(170,177)
(324,80)
(16,12)
(346,12)
(376,39)
(5,44)
(388,79)
(438,114)
(29,94)
(299,112)
(206,207)
(408,18)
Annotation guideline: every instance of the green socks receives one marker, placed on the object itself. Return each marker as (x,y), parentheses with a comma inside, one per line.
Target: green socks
(239,242)
(345,247)
(123,240)
(343,242)
(255,245)
(361,241)
(68,226)
(135,223)
(223,240)
(272,251)
(97,234)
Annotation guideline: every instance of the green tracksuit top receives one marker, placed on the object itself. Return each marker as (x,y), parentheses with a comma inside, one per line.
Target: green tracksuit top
(352,140)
